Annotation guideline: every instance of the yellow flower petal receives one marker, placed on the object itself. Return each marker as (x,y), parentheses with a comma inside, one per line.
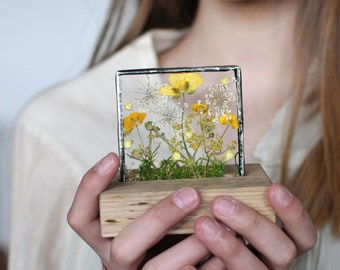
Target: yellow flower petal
(132,120)
(188,134)
(128,144)
(225,81)
(176,156)
(181,83)
(229,119)
(229,155)
(177,80)
(128,106)
(167,90)
(195,80)
(223,120)
(200,108)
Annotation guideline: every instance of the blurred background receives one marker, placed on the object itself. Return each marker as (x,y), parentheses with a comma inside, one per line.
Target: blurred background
(43,43)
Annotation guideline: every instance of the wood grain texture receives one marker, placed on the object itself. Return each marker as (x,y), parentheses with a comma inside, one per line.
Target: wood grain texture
(125,201)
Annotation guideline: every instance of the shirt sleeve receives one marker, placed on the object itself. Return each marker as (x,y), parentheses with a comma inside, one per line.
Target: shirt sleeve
(44,178)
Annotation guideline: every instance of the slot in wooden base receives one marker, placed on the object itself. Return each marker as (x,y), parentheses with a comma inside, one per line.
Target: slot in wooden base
(125,201)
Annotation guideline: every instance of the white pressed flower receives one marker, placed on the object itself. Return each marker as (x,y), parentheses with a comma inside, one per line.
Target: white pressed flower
(219,98)
(147,95)
(170,114)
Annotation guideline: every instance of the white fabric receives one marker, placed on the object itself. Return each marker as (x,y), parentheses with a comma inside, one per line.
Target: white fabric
(65,130)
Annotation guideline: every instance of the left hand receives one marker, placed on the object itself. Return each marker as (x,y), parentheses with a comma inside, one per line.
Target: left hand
(270,247)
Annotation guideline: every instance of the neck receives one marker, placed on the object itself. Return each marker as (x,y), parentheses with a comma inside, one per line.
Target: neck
(236,32)
(256,35)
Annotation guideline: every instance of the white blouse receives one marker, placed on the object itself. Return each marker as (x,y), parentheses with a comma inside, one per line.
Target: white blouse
(64,131)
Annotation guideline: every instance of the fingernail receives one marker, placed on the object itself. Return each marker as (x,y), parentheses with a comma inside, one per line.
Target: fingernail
(104,165)
(210,229)
(184,198)
(283,196)
(225,206)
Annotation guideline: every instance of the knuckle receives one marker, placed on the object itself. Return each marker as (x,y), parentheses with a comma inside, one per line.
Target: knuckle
(287,256)
(309,243)
(121,254)
(234,249)
(157,215)
(253,221)
(300,214)
(73,221)
(303,219)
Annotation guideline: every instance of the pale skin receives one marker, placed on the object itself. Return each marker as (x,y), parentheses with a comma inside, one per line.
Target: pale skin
(264,32)
(276,248)
(257,35)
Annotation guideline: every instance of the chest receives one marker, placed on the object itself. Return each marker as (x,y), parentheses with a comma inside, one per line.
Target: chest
(261,102)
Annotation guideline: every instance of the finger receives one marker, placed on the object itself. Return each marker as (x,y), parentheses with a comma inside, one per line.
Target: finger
(263,234)
(188,267)
(190,251)
(130,245)
(213,263)
(225,245)
(84,212)
(296,221)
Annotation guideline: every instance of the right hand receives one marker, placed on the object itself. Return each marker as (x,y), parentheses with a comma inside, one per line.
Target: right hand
(129,249)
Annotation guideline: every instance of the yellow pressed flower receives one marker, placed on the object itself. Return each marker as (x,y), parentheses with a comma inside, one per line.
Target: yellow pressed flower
(176,126)
(128,106)
(188,134)
(229,119)
(132,120)
(200,108)
(229,155)
(225,81)
(195,145)
(128,144)
(176,156)
(182,83)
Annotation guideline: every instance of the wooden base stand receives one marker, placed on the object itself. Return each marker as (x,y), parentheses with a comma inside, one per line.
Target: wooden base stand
(125,201)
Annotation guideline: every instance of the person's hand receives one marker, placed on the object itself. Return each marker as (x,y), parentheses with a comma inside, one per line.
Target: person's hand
(129,249)
(270,247)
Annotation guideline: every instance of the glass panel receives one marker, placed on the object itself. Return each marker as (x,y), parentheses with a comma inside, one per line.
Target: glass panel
(177,123)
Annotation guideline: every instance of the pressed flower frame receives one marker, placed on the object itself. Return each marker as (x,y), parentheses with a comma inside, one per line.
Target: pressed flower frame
(177,123)
(174,112)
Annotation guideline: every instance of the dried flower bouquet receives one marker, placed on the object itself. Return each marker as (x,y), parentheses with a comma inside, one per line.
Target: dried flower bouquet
(183,125)
(183,128)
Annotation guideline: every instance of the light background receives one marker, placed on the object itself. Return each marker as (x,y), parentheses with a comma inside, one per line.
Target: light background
(43,43)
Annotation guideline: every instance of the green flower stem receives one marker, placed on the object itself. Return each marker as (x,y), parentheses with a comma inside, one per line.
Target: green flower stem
(203,137)
(147,150)
(171,146)
(150,142)
(192,167)
(206,167)
(225,130)
(184,141)
(185,159)
(182,129)
(204,148)
(136,158)
(140,137)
